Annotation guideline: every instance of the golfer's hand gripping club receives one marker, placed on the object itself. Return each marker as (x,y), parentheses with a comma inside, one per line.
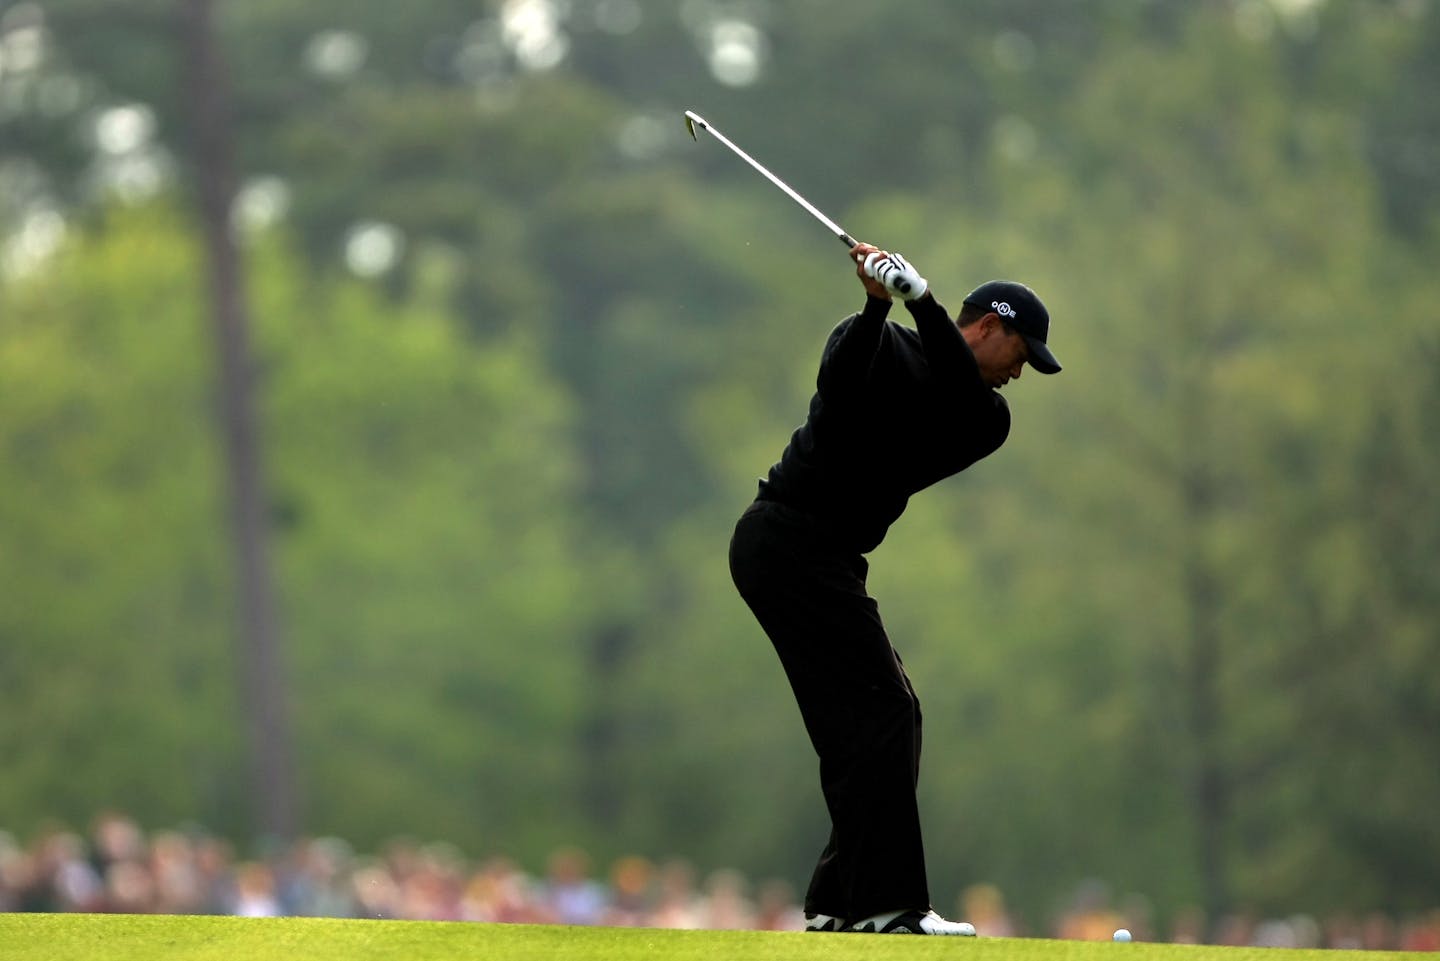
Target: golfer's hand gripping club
(896,274)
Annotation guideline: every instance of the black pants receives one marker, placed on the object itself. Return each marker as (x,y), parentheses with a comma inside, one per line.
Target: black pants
(857,702)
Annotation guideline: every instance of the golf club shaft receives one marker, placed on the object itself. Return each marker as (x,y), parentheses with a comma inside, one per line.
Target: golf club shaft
(694,120)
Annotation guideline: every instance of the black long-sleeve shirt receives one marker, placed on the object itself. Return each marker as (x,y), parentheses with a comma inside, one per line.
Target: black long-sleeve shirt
(894,411)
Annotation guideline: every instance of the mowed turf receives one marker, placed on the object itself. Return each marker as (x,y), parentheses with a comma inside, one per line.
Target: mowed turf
(91,937)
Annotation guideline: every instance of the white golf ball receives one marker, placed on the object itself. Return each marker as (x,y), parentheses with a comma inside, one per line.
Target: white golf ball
(1122,934)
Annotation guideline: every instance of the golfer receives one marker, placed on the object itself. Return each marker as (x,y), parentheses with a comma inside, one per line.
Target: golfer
(895,410)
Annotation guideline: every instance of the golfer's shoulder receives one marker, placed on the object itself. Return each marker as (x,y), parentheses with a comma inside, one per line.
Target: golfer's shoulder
(999,419)
(987,415)
(858,326)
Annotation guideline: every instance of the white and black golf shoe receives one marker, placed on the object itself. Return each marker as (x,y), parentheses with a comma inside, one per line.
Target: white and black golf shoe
(823,922)
(912,922)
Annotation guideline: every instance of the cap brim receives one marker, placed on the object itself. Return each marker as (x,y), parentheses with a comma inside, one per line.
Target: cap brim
(1040,357)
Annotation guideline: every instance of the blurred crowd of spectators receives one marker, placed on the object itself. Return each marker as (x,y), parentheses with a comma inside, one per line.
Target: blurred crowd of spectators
(117,867)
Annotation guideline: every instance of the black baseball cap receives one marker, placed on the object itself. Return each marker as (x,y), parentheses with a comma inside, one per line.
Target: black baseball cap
(1022,310)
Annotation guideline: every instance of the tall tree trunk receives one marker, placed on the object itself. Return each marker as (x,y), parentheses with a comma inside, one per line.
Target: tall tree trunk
(262,685)
(1203,656)
(601,734)
(1208,784)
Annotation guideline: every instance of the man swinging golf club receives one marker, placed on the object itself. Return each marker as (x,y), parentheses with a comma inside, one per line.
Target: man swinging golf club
(895,410)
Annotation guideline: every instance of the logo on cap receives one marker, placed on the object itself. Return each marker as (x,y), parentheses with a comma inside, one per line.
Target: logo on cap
(1003,309)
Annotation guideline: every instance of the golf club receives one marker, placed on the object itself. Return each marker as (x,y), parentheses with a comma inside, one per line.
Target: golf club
(693,120)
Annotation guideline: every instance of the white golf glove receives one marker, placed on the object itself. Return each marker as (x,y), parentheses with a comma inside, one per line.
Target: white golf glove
(896,274)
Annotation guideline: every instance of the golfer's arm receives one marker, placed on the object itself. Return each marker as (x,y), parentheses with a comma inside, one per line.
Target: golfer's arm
(852,350)
(947,353)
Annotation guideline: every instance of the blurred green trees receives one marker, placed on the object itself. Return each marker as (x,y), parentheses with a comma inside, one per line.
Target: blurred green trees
(525,349)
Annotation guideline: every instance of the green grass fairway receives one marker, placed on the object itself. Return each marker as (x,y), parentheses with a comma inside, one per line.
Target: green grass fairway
(90,937)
